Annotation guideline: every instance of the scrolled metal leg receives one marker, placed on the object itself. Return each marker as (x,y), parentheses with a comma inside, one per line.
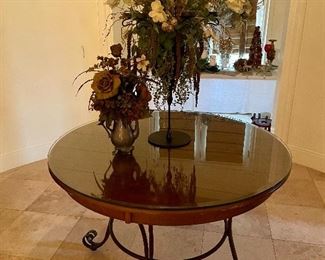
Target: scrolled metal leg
(231,240)
(88,239)
(151,242)
(145,240)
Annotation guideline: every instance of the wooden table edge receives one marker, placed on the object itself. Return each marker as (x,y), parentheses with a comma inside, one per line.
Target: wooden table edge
(163,217)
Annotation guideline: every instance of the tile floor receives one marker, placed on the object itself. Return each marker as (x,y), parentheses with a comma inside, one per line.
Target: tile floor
(38,220)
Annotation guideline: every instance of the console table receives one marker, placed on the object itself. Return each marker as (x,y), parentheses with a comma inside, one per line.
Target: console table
(228,169)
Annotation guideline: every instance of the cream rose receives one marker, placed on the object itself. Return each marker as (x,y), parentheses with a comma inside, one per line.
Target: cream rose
(236,5)
(157,12)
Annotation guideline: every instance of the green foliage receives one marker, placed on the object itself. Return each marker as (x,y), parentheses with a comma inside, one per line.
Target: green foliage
(171,34)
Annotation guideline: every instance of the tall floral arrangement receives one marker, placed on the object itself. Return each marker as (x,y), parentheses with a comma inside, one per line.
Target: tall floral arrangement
(171,34)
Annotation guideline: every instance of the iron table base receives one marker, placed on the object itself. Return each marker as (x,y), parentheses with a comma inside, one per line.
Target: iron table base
(148,241)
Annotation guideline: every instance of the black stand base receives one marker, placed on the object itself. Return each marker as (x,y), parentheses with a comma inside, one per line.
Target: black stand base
(177,139)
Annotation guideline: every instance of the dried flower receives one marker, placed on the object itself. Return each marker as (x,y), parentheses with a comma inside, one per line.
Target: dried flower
(120,88)
(157,12)
(236,5)
(142,63)
(173,21)
(167,27)
(105,84)
(116,50)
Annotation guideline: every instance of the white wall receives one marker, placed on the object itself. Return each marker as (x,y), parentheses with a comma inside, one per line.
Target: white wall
(301,98)
(44,44)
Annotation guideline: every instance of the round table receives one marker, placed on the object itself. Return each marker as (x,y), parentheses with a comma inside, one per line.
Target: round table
(228,168)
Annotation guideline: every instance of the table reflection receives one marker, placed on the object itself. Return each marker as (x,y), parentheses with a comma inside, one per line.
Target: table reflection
(124,180)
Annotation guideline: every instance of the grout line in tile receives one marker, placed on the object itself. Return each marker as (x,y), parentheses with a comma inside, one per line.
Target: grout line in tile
(314,183)
(268,222)
(79,218)
(292,205)
(299,242)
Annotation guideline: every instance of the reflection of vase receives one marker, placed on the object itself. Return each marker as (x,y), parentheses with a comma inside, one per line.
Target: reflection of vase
(123,134)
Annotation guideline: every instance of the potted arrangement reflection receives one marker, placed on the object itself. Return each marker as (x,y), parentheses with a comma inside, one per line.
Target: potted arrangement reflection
(125,182)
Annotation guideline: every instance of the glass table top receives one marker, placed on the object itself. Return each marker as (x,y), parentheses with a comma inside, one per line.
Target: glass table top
(226,162)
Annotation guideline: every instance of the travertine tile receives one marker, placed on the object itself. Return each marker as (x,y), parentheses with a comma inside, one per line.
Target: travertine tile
(320,185)
(36,235)
(12,257)
(172,243)
(286,250)
(247,248)
(299,172)
(19,194)
(298,192)
(316,175)
(296,223)
(7,216)
(91,214)
(56,201)
(4,175)
(253,223)
(194,227)
(72,247)
(36,171)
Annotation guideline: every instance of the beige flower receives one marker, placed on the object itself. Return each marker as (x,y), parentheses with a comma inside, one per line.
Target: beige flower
(236,5)
(167,27)
(142,63)
(173,21)
(157,12)
(105,84)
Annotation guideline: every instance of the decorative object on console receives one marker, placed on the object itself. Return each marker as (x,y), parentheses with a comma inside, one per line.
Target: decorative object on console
(255,55)
(120,94)
(242,66)
(264,121)
(225,48)
(255,51)
(270,52)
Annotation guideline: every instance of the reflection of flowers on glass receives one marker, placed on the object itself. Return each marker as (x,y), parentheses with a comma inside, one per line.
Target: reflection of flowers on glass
(124,181)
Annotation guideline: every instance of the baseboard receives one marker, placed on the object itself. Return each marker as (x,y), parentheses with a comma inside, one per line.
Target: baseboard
(308,158)
(23,156)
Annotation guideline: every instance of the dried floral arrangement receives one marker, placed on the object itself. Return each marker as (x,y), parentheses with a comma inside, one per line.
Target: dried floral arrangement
(119,87)
(171,34)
